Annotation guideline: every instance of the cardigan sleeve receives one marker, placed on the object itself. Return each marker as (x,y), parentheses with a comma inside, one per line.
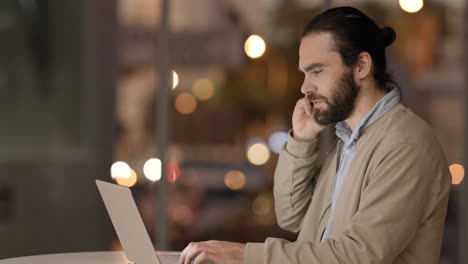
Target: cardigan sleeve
(294,182)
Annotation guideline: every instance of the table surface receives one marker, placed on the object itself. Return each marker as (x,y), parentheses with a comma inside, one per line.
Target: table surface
(114,257)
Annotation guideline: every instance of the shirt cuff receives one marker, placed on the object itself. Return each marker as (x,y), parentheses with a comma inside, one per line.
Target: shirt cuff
(300,149)
(254,253)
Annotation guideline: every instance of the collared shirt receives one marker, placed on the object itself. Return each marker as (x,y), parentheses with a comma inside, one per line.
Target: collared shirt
(347,146)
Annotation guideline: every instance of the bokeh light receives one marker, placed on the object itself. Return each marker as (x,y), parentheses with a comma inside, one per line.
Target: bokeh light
(411,6)
(152,169)
(277,140)
(234,180)
(258,153)
(262,205)
(173,172)
(185,103)
(254,46)
(120,170)
(175,79)
(458,173)
(128,182)
(203,89)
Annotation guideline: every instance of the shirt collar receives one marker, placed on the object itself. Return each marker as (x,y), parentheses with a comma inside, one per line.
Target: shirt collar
(344,132)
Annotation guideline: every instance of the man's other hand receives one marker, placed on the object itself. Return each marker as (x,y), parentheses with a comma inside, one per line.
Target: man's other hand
(217,252)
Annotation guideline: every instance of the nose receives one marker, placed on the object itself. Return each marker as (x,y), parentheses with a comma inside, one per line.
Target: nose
(307,87)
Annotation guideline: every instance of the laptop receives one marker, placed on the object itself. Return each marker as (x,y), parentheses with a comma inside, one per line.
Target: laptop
(130,228)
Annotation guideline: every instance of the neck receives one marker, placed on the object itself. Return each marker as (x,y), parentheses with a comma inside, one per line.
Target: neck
(365,100)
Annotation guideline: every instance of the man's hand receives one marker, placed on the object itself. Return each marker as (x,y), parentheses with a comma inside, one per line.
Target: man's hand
(218,252)
(305,128)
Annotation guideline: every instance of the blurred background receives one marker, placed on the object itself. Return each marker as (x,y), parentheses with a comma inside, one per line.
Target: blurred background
(80,99)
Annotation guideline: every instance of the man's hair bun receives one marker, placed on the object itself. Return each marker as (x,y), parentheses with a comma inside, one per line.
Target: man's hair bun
(388,36)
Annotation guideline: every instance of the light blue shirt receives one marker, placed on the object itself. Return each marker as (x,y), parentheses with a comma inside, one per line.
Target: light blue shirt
(348,139)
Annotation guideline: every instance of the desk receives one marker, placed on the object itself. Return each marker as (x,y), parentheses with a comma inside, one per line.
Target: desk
(116,257)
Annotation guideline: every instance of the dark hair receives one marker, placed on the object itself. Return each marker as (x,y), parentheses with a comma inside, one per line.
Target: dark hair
(353,32)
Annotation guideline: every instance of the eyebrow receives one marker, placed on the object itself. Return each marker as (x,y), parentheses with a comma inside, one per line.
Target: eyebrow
(311,67)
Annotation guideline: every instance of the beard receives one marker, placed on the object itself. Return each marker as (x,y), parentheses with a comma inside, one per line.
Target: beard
(340,105)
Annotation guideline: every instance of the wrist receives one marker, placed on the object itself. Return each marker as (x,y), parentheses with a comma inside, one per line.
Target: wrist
(300,149)
(302,138)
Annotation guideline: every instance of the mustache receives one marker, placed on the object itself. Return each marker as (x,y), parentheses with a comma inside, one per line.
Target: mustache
(314,97)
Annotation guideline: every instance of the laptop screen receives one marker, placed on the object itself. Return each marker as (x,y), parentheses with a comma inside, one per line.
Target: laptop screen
(128,223)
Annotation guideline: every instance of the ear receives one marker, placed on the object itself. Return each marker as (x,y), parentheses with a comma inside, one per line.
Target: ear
(363,66)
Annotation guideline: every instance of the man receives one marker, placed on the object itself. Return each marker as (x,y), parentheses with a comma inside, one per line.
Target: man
(381,194)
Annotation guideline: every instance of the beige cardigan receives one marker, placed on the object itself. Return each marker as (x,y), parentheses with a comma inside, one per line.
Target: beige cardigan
(391,208)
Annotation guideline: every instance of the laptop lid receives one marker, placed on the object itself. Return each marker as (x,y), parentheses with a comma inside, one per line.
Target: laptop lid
(128,223)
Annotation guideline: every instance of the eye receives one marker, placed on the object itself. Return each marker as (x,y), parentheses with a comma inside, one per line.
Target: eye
(317,72)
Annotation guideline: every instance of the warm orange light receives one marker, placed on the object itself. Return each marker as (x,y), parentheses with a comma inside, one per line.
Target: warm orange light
(128,182)
(458,172)
(185,103)
(203,89)
(234,180)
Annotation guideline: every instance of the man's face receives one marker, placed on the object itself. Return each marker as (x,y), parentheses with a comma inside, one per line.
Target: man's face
(328,84)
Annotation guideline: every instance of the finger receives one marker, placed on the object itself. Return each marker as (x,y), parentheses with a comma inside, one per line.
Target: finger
(183,253)
(306,105)
(299,110)
(192,253)
(200,258)
(181,258)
